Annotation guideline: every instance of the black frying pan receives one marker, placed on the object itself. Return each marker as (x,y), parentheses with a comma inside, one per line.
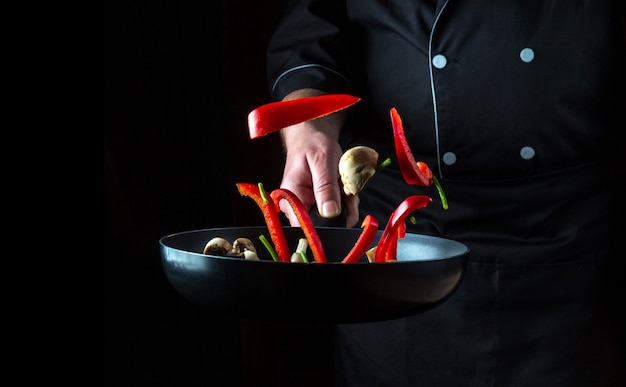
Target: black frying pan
(427,271)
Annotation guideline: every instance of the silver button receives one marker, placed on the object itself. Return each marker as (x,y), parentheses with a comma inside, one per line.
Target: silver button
(527,55)
(440,61)
(527,152)
(449,158)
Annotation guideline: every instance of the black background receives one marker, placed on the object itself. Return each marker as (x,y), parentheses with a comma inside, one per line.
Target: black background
(179,80)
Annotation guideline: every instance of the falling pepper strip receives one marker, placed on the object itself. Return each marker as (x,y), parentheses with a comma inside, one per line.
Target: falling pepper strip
(275,116)
(387,245)
(315,244)
(414,173)
(272,220)
(392,253)
(370,228)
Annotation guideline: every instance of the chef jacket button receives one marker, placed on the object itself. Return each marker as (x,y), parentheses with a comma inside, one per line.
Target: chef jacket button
(449,158)
(527,152)
(527,55)
(440,61)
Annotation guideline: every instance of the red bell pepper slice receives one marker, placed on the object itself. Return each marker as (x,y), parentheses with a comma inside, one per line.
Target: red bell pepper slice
(370,228)
(393,247)
(275,116)
(272,220)
(414,173)
(396,227)
(315,244)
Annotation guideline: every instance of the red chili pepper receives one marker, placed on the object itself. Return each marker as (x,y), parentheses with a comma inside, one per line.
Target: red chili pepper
(272,220)
(275,116)
(304,219)
(414,173)
(396,227)
(370,227)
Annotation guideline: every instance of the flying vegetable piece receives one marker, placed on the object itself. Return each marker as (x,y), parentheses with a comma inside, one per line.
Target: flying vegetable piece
(370,228)
(272,220)
(304,219)
(392,252)
(356,166)
(413,172)
(275,116)
(395,228)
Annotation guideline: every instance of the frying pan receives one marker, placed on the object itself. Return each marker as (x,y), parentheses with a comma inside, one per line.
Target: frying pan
(427,271)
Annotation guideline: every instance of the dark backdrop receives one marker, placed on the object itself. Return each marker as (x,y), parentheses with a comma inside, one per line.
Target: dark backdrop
(179,80)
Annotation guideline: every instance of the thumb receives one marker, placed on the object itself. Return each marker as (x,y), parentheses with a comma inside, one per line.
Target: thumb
(326,189)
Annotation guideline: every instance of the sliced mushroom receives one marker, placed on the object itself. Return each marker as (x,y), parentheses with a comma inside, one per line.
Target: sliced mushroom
(356,166)
(249,254)
(240,245)
(243,248)
(371,254)
(217,246)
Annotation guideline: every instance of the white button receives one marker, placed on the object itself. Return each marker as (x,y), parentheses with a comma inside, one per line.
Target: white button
(527,152)
(527,55)
(449,158)
(440,61)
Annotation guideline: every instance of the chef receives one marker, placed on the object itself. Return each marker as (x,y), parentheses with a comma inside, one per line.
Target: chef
(519,109)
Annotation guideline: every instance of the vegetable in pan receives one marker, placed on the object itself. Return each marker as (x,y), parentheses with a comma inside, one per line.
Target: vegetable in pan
(241,248)
(356,168)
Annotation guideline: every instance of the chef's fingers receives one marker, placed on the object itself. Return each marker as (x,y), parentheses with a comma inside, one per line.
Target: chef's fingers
(311,166)
(325,180)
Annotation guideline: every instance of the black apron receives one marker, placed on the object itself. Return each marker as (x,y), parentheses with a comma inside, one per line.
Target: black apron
(534,306)
(518,107)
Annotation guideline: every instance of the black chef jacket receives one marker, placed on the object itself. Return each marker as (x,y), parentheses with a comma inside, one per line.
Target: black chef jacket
(518,107)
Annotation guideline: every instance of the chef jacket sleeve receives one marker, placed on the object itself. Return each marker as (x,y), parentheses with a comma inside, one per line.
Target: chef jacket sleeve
(307,49)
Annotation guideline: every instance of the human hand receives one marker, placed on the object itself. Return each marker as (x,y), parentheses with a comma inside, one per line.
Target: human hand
(311,167)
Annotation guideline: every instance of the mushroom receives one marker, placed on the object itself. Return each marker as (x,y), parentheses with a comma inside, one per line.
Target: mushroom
(356,166)
(371,254)
(242,244)
(251,255)
(217,246)
(243,248)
